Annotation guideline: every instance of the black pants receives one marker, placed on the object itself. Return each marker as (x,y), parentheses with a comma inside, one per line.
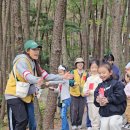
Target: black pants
(17,114)
(77,110)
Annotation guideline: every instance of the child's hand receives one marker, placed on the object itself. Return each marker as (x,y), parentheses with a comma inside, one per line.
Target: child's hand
(40,82)
(67,75)
(98,99)
(87,93)
(47,83)
(52,88)
(104,101)
(128,97)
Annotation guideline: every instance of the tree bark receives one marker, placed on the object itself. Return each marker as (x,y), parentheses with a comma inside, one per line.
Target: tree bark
(12,33)
(64,45)
(1,43)
(95,43)
(54,62)
(115,41)
(64,48)
(127,44)
(38,113)
(3,66)
(17,25)
(25,19)
(37,19)
(102,50)
(84,32)
(1,34)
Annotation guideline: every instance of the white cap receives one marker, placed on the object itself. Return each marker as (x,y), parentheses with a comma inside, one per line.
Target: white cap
(61,67)
(127,66)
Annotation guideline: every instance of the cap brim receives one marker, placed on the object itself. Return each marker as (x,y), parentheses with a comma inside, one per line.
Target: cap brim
(36,46)
(79,62)
(39,46)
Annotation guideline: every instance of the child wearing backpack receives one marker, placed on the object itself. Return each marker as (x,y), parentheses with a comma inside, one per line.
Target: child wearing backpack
(110,97)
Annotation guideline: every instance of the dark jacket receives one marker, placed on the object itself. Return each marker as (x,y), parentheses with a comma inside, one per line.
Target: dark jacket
(114,91)
(116,72)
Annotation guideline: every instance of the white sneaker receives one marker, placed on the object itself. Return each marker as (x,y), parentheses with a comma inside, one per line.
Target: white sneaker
(74,127)
(127,126)
(89,128)
(79,127)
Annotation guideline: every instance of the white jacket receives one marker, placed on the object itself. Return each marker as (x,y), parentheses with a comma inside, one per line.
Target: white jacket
(91,84)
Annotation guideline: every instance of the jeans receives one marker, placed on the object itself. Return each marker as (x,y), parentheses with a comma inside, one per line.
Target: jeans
(65,105)
(31,116)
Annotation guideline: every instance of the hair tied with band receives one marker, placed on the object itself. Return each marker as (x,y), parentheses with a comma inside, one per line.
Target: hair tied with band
(61,67)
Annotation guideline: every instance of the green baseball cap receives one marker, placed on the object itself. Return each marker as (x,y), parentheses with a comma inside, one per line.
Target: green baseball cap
(30,44)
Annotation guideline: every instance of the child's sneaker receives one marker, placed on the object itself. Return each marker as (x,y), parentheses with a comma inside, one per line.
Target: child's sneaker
(89,128)
(74,127)
(79,127)
(127,126)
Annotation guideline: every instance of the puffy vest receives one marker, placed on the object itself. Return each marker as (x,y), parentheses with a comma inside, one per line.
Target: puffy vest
(11,83)
(77,89)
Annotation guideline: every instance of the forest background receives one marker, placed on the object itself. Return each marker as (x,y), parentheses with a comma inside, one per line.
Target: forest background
(66,29)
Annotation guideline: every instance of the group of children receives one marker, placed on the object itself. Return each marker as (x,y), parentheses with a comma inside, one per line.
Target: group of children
(107,96)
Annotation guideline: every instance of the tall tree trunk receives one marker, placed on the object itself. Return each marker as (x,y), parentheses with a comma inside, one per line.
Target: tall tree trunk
(1,34)
(102,50)
(12,33)
(1,42)
(17,25)
(64,48)
(37,19)
(54,62)
(25,18)
(8,52)
(115,43)
(38,114)
(84,32)
(127,45)
(4,5)
(64,57)
(95,46)
(3,66)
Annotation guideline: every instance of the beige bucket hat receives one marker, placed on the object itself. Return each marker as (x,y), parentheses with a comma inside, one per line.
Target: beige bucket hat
(78,60)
